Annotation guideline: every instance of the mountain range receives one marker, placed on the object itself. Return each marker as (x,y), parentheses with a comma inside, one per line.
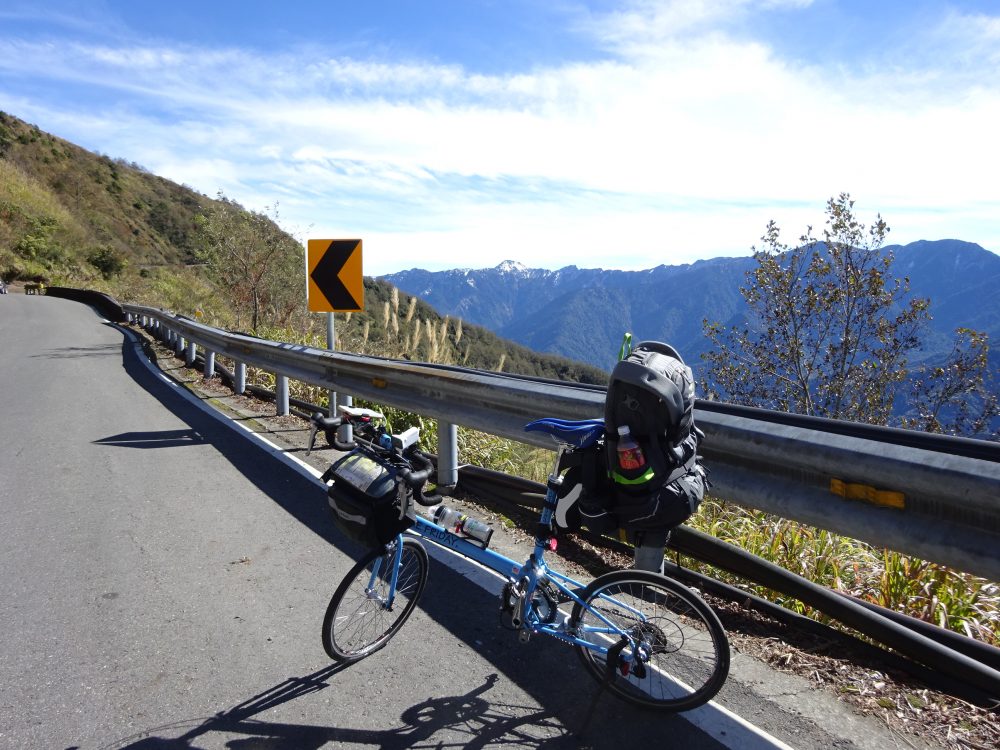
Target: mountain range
(582,313)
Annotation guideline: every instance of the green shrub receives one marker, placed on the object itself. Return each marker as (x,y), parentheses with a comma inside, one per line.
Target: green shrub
(108,261)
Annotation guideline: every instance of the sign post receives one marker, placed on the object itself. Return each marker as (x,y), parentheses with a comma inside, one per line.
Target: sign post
(334,283)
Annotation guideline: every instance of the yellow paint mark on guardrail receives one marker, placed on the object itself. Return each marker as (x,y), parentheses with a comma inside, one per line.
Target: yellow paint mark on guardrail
(867,493)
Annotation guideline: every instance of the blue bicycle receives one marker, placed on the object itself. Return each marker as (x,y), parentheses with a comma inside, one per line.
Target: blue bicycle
(645,637)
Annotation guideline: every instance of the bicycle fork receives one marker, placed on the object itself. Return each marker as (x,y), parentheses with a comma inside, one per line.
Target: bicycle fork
(391,576)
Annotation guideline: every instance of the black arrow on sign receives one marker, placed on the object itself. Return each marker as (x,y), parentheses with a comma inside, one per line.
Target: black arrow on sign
(326,274)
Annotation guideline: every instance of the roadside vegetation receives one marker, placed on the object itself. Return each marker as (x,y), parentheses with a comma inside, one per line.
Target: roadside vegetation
(830,334)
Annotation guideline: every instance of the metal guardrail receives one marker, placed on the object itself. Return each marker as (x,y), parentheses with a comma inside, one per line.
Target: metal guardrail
(937,500)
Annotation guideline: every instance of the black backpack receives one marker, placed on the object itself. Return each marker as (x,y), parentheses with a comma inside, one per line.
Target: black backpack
(652,393)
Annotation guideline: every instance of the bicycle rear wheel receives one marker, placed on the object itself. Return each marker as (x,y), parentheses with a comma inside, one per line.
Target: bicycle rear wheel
(359,619)
(677,655)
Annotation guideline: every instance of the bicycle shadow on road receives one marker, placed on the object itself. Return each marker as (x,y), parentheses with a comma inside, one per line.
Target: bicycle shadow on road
(468,720)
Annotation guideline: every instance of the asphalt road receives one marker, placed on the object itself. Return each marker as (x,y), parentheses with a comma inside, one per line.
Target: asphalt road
(164,579)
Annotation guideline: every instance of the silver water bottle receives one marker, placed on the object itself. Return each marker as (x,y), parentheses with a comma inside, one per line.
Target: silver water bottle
(455,520)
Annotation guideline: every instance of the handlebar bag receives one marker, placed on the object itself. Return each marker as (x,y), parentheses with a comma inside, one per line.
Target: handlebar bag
(368,501)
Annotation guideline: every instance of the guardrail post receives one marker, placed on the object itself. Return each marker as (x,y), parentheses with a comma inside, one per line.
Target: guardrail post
(281,395)
(192,353)
(209,364)
(345,433)
(180,343)
(447,454)
(241,378)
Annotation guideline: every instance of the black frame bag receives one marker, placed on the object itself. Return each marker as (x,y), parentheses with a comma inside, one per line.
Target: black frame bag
(586,496)
(589,498)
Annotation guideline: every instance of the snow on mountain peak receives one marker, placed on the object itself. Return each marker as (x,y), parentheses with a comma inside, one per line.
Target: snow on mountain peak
(511,266)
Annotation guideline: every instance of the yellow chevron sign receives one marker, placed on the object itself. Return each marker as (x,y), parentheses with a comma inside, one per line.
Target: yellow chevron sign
(333,276)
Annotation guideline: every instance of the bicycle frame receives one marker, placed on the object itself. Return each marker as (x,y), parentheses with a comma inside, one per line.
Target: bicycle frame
(528,574)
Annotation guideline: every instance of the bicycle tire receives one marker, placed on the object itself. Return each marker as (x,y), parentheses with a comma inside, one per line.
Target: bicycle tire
(357,623)
(685,646)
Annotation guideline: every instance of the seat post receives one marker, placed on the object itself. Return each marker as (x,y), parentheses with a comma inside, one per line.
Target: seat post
(650,547)
(554,474)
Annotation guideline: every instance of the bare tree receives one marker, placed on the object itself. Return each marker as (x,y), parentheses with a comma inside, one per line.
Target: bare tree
(253,260)
(959,397)
(829,329)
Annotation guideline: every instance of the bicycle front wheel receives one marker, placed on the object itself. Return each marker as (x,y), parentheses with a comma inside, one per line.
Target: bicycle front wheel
(360,618)
(674,654)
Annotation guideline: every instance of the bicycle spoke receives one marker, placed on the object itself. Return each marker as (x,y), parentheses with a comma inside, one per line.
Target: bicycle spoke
(361,619)
(676,655)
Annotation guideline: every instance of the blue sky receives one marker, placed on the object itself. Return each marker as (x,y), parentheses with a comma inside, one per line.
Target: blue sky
(460,133)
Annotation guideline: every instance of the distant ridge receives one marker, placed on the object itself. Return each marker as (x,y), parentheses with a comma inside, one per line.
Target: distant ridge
(582,313)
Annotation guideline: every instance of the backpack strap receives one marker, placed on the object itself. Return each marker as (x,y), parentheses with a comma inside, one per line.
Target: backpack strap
(626,347)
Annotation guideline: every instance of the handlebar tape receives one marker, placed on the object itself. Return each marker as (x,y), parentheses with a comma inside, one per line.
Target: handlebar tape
(417,479)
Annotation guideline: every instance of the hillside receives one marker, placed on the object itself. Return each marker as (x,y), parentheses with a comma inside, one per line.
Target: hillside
(75,218)
(395,324)
(60,204)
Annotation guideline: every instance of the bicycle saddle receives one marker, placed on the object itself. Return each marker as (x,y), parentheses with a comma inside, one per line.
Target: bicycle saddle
(356,413)
(578,434)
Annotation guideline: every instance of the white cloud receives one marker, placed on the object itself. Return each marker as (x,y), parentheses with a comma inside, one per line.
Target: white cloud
(675,147)
(644,27)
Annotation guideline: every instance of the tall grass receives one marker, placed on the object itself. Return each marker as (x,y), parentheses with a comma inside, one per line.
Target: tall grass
(931,592)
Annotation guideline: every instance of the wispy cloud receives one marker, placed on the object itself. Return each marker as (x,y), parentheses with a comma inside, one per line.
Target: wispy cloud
(644,27)
(679,142)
